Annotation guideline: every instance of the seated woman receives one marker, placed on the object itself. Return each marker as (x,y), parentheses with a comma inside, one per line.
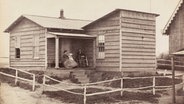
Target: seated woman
(68,62)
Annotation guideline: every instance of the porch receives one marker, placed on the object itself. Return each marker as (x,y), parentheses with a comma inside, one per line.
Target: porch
(57,43)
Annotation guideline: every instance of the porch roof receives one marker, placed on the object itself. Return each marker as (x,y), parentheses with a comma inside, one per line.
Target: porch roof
(53,34)
(179,53)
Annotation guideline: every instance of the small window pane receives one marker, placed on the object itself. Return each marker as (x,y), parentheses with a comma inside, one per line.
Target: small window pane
(101,47)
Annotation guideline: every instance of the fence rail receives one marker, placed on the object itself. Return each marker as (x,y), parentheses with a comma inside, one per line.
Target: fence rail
(167,63)
(20,78)
(121,89)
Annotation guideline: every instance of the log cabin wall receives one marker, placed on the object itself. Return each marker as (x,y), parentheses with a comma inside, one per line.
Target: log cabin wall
(88,50)
(109,27)
(176,32)
(26,30)
(138,41)
(50,51)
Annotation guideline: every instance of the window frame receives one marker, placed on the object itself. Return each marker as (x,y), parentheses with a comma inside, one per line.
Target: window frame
(17,46)
(101,47)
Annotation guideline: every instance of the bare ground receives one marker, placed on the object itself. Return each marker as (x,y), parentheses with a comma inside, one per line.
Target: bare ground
(16,95)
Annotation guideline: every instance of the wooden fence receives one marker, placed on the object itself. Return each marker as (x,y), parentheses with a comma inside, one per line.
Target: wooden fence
(121,89)
(162,63)
(20,78)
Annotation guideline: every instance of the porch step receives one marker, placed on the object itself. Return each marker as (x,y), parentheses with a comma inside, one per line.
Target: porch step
(80,76)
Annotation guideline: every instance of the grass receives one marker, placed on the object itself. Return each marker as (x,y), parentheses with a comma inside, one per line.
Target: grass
(107,98)
(99,99)
(25,85)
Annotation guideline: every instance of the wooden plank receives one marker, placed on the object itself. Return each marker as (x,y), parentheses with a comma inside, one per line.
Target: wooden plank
(138,46)
(114,29)
(138,21)
(137,26)
(138,69)
(112,43)
(138,15)
(107,64)
(138,50)
(129,34)
(108,68)
(139,31)
(111,47)
(111,55)
(138,65)
(139,57)
(28,63)
(114,38)
(111,59)
(138,42)
(138,61)
(111,51)
(137,38)
(138,53)
(28,60)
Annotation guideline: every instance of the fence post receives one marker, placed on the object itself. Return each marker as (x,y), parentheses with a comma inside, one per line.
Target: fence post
(154,85)
(84,94)
(43,82)
(33,87)
(16,75)
(121,86)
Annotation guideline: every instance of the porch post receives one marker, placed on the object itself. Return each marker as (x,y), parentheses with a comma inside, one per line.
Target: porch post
(94,53)
(56,52)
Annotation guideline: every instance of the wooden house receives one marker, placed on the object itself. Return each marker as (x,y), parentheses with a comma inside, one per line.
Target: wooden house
(175,29)
(122,40)
(128,39)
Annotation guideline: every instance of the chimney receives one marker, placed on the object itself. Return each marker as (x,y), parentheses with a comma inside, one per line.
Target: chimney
(61,14)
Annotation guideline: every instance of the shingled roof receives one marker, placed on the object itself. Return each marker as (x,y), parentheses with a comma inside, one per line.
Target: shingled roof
(167,26)
(52,22)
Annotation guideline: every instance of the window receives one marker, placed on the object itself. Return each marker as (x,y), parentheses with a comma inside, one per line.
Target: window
(36,46)
(17,52)
(17,47)
(101,47)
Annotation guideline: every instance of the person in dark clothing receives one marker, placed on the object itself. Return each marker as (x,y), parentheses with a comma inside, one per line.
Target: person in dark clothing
(81,59)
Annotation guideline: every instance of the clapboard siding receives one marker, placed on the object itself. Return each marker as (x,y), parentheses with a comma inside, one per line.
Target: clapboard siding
(176,32)
(138,31)
(109,27)
(139,61)
(27,30)
(51,50)
(88,48)
(138,26)
(137,21)
(147,69)
(138,41)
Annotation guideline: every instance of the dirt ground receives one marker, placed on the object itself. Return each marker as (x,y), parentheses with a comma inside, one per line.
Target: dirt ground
(16,95)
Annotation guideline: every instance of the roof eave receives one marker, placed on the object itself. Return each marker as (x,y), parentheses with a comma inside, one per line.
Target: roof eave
(17,21)
(167,26)
(114,11)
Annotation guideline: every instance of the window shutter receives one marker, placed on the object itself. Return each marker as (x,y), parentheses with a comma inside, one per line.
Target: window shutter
(17,42)
(36,46)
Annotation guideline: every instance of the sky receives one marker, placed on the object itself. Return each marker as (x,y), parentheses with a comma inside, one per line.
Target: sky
(10,10)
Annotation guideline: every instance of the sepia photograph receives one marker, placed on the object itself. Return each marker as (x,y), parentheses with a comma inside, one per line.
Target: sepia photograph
(91,51)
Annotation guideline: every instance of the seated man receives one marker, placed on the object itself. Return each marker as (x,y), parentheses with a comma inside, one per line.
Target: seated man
(81,59)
